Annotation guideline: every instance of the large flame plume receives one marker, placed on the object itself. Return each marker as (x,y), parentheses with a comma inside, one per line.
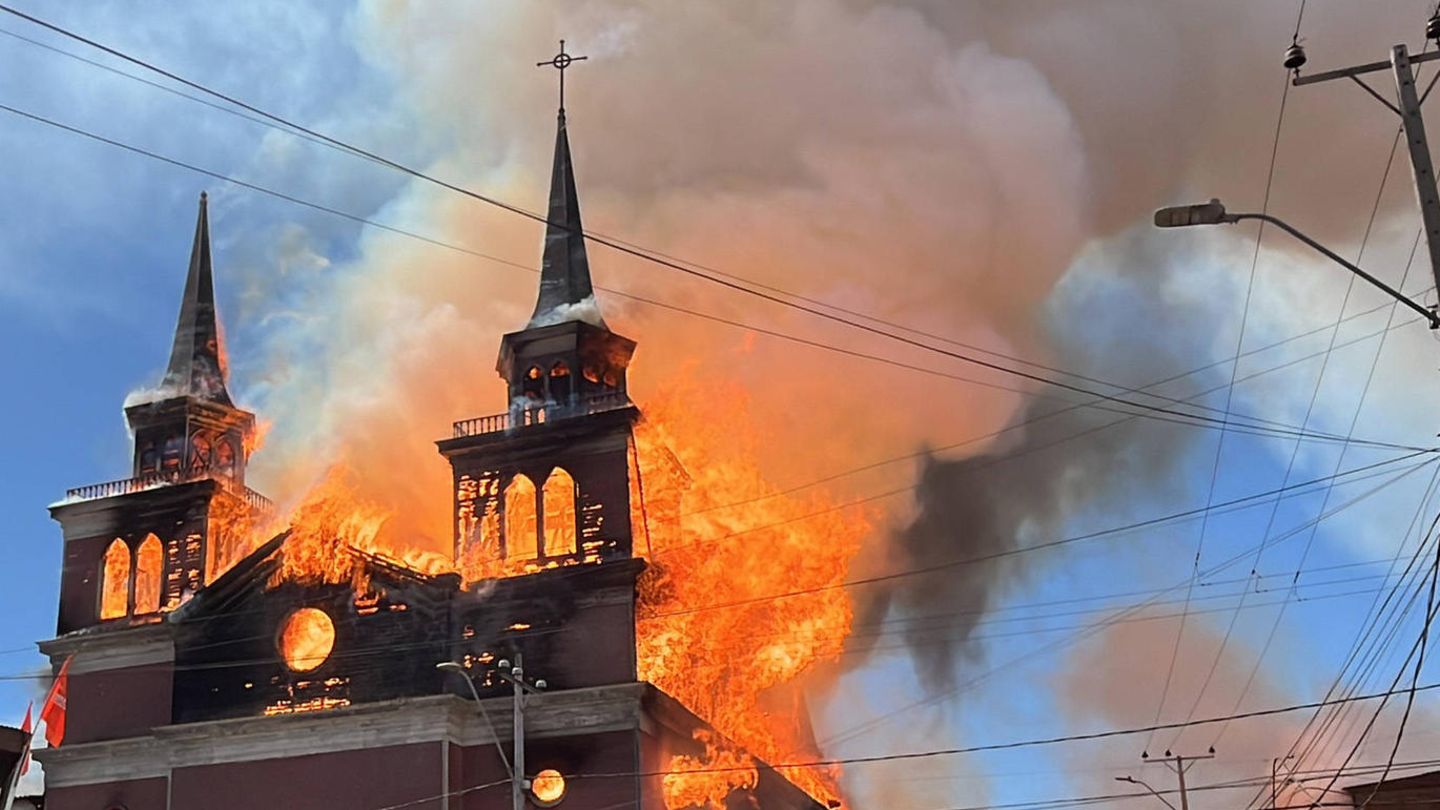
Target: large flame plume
(715,629)
(712,631)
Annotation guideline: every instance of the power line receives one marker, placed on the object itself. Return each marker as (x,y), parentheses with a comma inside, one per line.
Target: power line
(1008,746)
(1096,628)
(625,248)
(436,643)
(1068,409)
(1069,540)
(1309,412)
(1414,679)
(1229,391)
(1158,414)
(1339,461)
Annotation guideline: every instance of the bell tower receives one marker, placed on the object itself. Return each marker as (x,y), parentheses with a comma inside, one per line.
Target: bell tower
(141,546)
(545,484)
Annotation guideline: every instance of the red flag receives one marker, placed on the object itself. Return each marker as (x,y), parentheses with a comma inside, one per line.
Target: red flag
(26,727)
(52,711)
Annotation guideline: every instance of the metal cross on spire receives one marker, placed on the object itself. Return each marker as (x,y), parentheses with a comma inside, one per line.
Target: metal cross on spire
(561,61)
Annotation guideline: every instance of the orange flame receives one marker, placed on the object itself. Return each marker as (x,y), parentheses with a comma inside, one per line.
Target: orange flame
(711,631)
(722,541)
(706,781)
(330,523)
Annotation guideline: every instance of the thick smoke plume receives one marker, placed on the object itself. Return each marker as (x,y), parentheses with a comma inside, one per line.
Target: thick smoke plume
(1055,460)
(975,170)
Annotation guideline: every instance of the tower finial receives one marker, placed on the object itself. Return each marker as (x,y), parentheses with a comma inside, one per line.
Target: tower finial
(560,61)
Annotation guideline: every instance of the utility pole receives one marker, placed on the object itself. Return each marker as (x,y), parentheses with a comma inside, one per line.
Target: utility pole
(515,674)
(519,782)
(1407,107)
(1179,765)
(1275,777)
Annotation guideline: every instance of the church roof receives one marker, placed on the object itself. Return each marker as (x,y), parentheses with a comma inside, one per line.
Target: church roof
(197,357)
(565,269)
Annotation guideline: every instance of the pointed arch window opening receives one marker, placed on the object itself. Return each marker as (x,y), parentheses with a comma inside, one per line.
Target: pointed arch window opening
(561,388)
(200,447)
(520,519)
(532,388)
(149,576)
(558,499)
(115,581)
(170,457)
(224,455)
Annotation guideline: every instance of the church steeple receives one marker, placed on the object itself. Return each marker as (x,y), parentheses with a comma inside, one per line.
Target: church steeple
(188,427)
(565,268)
(197,356)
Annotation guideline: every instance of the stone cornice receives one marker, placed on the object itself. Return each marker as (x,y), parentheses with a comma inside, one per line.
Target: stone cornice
(407,721)
(97,650)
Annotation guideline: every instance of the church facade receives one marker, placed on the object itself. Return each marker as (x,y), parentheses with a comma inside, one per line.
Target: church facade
(199,678)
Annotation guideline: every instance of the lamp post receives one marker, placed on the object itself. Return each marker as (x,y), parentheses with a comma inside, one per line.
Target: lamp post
(516,790)
(1214,213)
(1132,780)
(515,674)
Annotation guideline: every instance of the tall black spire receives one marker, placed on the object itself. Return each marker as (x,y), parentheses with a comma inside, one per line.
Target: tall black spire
(565,268)
(197,358)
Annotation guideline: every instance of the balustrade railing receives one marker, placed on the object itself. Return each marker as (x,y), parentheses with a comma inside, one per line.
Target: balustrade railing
(141,483)
(539,414)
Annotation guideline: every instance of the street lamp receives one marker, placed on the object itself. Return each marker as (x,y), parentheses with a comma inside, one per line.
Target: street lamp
(1132,780)
(1214,213)
(451,666)
(515,675)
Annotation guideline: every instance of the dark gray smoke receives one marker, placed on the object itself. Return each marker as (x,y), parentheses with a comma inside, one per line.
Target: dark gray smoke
(1057,460)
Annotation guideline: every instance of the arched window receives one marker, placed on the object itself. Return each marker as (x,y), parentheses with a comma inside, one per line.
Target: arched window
(170,458)
(225,455)
(521,539)
(199,453)
(560,382)
(149,459)
(533,386)
(559,502)
(115,581)
(149,566)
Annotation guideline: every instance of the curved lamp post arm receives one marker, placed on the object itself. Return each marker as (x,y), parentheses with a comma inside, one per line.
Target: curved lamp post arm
(1214,213)
(1132,780)
(451,666)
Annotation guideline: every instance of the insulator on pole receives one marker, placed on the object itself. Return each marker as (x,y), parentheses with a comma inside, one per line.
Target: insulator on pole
(1295,56)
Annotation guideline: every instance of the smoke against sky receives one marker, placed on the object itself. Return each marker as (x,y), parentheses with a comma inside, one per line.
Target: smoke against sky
(982,171)
(973,170)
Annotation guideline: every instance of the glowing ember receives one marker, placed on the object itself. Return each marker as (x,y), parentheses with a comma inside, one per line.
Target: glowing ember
(306,639)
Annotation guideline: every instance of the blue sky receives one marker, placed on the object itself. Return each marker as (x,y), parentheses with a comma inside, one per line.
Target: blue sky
(976,169)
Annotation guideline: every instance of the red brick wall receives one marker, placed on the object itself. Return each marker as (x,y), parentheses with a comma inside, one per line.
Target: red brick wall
(80,583)
(609,752)
(349,780)
(138,794)
(118,703)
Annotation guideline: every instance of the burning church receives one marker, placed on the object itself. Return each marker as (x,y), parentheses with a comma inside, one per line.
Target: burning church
(223,653)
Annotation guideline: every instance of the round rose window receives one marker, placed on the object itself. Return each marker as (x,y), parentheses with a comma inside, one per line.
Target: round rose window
(306,638)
